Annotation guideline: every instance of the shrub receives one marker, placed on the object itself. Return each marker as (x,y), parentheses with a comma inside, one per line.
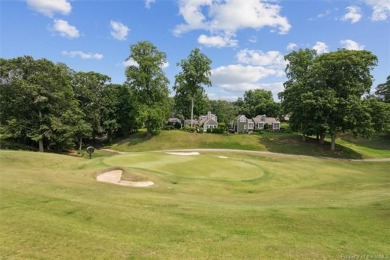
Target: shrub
(189,129)
(168,127)
(218,130)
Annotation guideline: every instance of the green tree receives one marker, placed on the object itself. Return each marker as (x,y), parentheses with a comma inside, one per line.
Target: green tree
(225,111)
(383,90)
(259,102)
(88,88)
(346,75)
(119,115)
(297,98)
(182,99)
(324,93)
(195,74)
(42,107)
(379,113)
(149,84)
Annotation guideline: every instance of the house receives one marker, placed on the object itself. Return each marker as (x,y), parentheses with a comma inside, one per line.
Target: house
(259,121)
(209,116)
(174,122)
(242,124)
(208,121)
(262,120)
(273,123)
(188,122)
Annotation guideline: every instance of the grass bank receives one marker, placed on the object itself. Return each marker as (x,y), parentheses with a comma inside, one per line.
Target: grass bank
(256,207)
(289,143)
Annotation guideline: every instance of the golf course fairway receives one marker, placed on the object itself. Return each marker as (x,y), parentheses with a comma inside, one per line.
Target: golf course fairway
(211,205)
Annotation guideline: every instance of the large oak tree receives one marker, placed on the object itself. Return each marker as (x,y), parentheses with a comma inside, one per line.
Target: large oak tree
(324,92)
(195,74)
(37,103)
(149,84)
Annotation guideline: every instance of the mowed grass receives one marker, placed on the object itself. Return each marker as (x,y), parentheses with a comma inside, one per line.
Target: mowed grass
(176,139)
(252,207)
(289,143)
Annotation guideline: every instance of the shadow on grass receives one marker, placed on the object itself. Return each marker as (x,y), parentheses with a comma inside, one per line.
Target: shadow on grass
(379,142)
(134,139)
(293,144)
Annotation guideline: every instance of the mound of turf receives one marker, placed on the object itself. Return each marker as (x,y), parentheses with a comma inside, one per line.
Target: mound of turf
(274,207)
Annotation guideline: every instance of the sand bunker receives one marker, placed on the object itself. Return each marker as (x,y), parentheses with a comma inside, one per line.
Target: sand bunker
(115,178)
(222,157)
(183,153)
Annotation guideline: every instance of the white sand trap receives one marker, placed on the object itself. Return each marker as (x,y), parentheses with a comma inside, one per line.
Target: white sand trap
(184,153)
(223,157)
(115,178)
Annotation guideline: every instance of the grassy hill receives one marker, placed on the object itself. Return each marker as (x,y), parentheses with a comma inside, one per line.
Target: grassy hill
(347,147)
(206,206)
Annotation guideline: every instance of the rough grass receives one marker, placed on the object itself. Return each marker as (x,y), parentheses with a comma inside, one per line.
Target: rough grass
(176,139)
(289,143)
(287,207)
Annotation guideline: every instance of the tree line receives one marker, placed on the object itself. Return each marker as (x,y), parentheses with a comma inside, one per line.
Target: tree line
(329,94)
(53,107)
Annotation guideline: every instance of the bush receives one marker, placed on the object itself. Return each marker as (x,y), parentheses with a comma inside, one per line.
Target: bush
(168,127)
(218,130)
(189,129)
(209,130)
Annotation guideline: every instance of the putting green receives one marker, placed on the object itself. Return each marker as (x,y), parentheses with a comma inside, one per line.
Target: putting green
(203,166)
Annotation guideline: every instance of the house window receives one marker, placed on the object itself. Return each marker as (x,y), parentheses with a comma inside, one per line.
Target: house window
(245,127)
(261,125)
(250,126)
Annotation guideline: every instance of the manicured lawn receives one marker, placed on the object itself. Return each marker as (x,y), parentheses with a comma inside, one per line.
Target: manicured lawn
(376,146)
(176,139)
(204,206)
(289,143)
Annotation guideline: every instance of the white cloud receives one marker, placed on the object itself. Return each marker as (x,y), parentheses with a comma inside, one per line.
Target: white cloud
(83,55)
(50,7)
(65,29)
(275,88)
(119,31)
(321,15)
(217,41)
(270,59)
(291,46)
(225,18)
(254,66)
(380,9)
(234,74)
(148,3)
(252,39)
(131,62)
(240,78)
(354,14)
(351,45)
(165,65)
(321,47)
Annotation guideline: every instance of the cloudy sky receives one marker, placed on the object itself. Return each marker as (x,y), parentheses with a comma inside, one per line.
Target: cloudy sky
(245,39)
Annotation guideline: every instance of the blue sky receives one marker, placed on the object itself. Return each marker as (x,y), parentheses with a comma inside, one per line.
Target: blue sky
(245,39)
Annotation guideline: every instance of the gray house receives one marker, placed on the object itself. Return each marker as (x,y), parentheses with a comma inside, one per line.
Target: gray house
(188,122)
(208,121)
(261,120)
(241,124)
(174,121)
